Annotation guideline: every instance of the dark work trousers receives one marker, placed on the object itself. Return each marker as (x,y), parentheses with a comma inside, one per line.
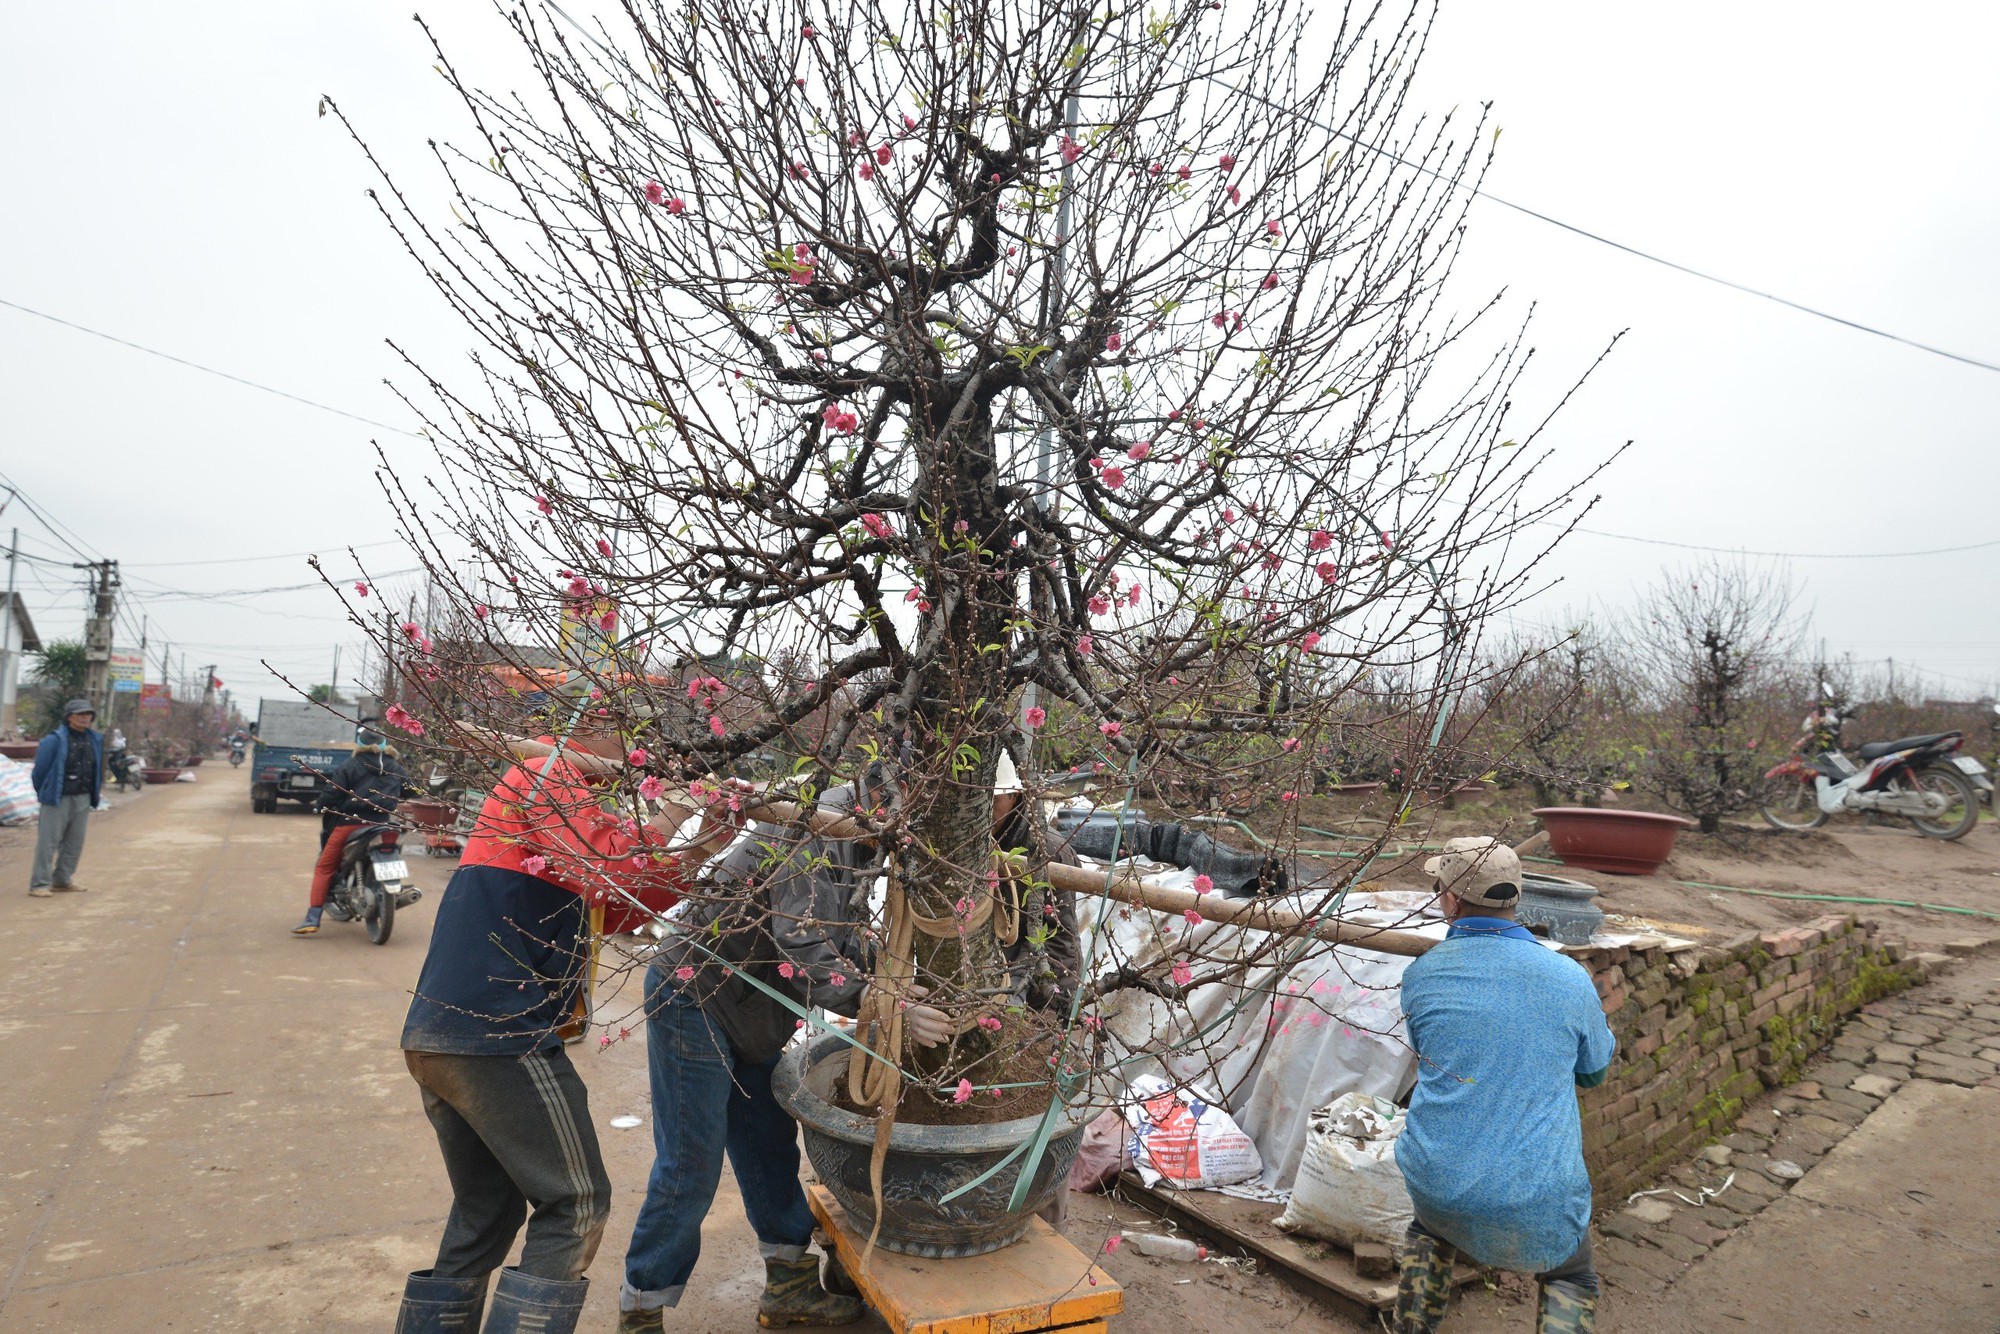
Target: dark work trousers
(1579,1271)
(515,1131)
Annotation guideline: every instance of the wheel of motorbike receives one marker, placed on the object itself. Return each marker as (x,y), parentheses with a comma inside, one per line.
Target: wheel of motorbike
(381,917)
(1788,803)
(1962,809)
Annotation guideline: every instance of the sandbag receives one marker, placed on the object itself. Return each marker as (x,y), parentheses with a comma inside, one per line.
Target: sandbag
(1185,1138)
(1349,1188)
(18,802)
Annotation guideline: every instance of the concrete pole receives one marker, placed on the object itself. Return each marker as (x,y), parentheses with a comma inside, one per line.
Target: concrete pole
(10,649)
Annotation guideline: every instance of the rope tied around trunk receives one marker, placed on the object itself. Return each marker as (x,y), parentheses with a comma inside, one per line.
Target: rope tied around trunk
(874,1077)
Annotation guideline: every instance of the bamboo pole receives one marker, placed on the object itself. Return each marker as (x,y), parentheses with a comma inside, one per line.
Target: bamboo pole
(1123,887)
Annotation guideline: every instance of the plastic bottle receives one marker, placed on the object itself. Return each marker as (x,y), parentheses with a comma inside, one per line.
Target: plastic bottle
(1166,1248)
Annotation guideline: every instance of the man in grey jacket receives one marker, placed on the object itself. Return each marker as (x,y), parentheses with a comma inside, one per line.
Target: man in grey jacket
(785,909)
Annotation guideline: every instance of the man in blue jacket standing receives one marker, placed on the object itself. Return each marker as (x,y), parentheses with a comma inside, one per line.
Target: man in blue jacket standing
(69,779)
(1505,1030)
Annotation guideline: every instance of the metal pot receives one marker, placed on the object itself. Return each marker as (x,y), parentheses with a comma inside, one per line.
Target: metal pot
(924,1164)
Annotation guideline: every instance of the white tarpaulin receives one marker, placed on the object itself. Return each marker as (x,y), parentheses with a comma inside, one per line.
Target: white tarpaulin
(1298,1037)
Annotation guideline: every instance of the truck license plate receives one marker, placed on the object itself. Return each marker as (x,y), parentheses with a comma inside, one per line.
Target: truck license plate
(391,870)
(300,780)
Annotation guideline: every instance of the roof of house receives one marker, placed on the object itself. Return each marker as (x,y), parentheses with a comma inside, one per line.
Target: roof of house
(30,641)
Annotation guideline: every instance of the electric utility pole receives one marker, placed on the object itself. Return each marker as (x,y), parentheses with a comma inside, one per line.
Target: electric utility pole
(97,634)
(10,654)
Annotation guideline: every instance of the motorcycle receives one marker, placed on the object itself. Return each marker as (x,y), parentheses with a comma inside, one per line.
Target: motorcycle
(1919,778)
(235,754)
(369,886)
(123,771)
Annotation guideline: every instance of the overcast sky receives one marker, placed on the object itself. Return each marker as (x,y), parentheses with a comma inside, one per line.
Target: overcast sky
(169,182)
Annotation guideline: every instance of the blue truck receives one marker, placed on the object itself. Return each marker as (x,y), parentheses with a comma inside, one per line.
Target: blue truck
(299,745)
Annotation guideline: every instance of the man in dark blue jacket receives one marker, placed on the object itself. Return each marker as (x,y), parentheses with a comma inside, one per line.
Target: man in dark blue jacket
(69,779)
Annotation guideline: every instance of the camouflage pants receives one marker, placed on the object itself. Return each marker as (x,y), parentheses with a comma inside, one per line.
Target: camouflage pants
(1423,1290)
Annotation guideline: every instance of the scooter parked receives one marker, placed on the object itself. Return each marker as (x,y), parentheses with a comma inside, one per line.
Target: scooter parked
(1920,778)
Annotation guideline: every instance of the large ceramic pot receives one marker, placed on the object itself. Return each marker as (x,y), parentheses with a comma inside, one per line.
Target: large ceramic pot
(925,1163)
(157,776)
(19,750)
(1616,842)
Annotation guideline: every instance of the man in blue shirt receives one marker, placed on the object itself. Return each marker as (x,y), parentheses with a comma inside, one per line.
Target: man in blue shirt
(1505,1031)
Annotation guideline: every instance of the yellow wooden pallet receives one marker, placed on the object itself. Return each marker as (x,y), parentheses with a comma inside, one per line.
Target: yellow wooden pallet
(1040,1283)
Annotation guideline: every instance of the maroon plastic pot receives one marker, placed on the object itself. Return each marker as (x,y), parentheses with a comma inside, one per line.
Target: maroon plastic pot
(1615,842)
(19,750)
(157,776)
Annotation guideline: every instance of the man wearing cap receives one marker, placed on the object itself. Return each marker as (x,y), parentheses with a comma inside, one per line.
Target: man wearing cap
(69,779)
(1505,1031)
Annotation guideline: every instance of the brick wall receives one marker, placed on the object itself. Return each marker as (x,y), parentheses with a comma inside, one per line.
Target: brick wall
(1702,1031)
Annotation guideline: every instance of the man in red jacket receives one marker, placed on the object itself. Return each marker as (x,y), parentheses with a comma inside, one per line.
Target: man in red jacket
(503,974)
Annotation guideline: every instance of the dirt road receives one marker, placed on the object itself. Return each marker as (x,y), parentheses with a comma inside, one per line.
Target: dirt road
(211,1128)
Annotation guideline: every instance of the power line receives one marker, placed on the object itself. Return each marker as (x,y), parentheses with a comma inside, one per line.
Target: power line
(1789,555)
(247,560)
(195,365)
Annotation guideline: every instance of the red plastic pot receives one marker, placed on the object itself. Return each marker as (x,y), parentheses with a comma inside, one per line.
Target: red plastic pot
(433,815)
(19,750)
(157,776)
(1615,842)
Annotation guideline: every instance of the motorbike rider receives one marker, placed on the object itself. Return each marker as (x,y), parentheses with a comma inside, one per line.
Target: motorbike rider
(365,790)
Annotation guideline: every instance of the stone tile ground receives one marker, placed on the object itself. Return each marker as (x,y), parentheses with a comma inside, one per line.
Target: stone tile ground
(1651,1240)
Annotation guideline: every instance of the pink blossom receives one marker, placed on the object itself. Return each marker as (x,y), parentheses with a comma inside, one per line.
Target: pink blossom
(1071,150)
(876,524)
(677,206)
(481,611)
(715,724)
(991,1025)
(361,589)
(964,1092)
(1155,169)
(884,153)
(1138,452)
(1320,540)
(1111,729)
(1235,195)
(1112,1243)
(1174,415)
(838,979)
(1084,644)
(684,973)
(650,787)
(1272,227)
(1193,917)
(1200,424)
(1114,477)
(799,169)
(637,756)
(1132,596)
(535,864)
(1114,342)
(397,716)
(786,970)
(579,587)
(806,32)
(1229,516)
(1311,641)
(542,504)
(1100,605)
(655,193)
(1227,161)
(1185,172)
(1288,796)
(1270,282)
(867,172)
(1202,884)
(1289,744)
(909,121)
(411,631)
(1182,974)
(603,547)
(1035,716)
(1327,571)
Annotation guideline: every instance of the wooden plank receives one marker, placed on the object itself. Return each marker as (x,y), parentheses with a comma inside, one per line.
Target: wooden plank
(1040,1283)
(1251,1224)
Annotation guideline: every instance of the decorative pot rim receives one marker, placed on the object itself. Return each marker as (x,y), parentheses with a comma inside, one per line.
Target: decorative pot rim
(789,1087)
(1600,814)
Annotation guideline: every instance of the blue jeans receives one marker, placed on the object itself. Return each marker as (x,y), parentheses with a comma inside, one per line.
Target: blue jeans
(706,1103)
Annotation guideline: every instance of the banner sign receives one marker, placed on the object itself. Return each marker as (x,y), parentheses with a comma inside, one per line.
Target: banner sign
(155,695)
(127,671)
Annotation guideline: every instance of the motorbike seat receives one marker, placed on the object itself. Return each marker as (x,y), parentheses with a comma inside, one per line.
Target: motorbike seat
(367,838)
(1875,750)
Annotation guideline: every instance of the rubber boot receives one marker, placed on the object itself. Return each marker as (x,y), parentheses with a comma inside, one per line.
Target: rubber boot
(1423,1287)
(524,1304)
(310,926)
(434,1305)
(1567,1308)
(642,1322)
(793,1295)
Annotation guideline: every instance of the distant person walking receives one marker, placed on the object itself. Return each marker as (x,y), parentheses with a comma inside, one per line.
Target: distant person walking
(69,780)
